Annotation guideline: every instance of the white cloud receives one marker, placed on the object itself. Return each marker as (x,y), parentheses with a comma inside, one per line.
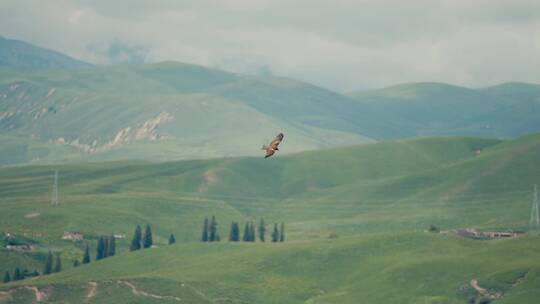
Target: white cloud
(343,45)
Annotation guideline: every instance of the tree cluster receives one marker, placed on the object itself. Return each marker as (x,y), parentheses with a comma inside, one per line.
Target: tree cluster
(49,266)
(210,233)
(250,233)
(106,247)
(19,274)
(139,241)
(278,235)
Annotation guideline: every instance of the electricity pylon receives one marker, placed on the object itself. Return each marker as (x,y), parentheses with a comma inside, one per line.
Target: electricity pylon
(535,221)
(54,198)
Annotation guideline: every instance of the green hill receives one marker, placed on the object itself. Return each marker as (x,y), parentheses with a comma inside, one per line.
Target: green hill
(355,220)
(426,109)
(19,54)
(56,109)
(155,112)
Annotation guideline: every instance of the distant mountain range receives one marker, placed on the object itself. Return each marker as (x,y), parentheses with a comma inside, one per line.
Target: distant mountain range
(54,108)
(19,54)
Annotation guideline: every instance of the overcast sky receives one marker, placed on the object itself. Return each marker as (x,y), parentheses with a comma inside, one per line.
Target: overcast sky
(338,44)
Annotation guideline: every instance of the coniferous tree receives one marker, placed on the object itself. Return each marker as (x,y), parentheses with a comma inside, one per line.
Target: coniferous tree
(218,238)
(205,230)
(25,273)
(112,246)
(35,273)
(147,240)
(234,235)
(262,230)
(245,237)
(172,239)
(17,274)
(100,248)
(137,238)
(282,233)
(48,264)
(275,234)
(105,246)
(7,277)
(86,257)
(213,229)
(58,266)
(252,232)
(236,232)
(76,263)
(231,233)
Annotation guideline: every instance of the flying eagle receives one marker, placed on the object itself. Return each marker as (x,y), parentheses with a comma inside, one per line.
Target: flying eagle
(273,146)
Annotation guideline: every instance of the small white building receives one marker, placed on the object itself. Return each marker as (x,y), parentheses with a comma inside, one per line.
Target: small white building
(73,236)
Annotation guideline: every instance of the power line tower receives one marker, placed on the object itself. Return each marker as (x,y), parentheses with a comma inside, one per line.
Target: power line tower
(535,221)
(54,198)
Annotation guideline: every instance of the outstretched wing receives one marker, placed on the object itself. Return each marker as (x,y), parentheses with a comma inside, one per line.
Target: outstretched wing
(269,152)
(277,140)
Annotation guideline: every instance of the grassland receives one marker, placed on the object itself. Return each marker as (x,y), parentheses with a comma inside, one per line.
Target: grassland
(377,199)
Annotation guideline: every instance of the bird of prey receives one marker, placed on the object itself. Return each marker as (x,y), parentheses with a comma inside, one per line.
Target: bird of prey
(273,146)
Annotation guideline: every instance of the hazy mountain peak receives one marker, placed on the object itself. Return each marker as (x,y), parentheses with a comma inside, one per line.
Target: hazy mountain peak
(19,54)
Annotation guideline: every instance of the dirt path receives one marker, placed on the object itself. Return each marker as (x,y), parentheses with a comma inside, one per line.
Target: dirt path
(40,296)
(92,291)
(474,284)
(484,291)
(5,295)
(138,292)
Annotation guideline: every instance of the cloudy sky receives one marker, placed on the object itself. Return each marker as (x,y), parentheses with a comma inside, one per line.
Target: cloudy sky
(340,44)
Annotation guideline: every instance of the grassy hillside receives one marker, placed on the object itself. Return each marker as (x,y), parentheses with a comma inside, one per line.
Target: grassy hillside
(160,112)
(173,111)
(422,109)
(355,218)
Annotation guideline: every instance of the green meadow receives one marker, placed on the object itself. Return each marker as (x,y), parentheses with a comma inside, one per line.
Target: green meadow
(355,217)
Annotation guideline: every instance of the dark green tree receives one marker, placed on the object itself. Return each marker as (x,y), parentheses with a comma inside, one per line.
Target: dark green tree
(17,274)
(137,238)
(275,234)
(86,257)
(100,248)
(7,277)
(252,232)
(172,240)
(213,229)
(282,232)
(35,273)
(58,266)
(112,246)
(234,235)
(205,231)
(25,273)
(245,237)
(76,263)
(262,230)
(147,240)
(105,246)
(48,264)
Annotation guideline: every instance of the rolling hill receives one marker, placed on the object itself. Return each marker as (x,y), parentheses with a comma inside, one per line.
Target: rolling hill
(19,54)
(355,220)
(156,112)
(57,112)
(426,109)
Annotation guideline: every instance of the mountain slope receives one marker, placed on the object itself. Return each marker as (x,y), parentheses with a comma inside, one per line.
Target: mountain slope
(19,54)
(354,218)
(423,109)
(172,111)
(157,112)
